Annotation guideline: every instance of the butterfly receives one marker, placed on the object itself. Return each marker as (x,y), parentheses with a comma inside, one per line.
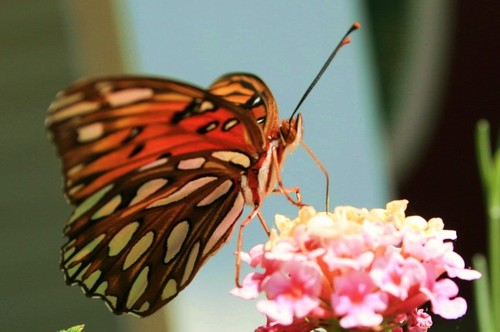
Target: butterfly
(158,172)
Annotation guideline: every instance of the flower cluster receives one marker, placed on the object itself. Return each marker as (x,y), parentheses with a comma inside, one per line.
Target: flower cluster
(356,269)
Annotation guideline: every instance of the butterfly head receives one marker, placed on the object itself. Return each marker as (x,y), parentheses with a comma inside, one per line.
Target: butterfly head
(291,132)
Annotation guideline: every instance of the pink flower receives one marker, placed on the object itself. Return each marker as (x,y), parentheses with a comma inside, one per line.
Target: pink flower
(443,298)
(299,325)
(358,301)
(292,292)
(419,321)
(397,275)
(357,269)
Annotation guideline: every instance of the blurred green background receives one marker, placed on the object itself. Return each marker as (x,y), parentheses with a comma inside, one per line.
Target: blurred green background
(392,118)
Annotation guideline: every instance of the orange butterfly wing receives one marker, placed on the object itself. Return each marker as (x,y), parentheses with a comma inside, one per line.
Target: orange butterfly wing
(153,167)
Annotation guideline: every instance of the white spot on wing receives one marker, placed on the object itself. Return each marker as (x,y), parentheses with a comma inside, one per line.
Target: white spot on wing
(187,189)
(68,252)
(89,203)
(176,240)
(144,307)
(193,163)
(148,189)
(233,157)
(80,108)
(169,290)
(92,279)
(129,96)
(90,132)
(206,106)
(82,272)
(122,238)
(102,288)
(153,164)
(108,208)
(193,257)
(75,169)
(210,127)
(75,189)
(62,100)
(225,224)
(71,271)
(85,250)
(138,287)
(218,192)
(139,248)
(230,124)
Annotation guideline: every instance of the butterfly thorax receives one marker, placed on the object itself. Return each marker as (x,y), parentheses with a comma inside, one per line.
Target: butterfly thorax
(262,177)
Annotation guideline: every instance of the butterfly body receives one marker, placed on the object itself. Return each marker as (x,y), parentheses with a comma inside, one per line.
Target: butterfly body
(159,172)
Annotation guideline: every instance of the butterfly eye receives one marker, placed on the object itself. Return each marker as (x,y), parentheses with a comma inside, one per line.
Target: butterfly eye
(291,131)
(288,131)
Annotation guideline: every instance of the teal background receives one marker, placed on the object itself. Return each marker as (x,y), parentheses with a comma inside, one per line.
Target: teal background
(373,120)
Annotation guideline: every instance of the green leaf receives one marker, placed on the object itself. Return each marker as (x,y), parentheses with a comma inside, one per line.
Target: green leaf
(76,328)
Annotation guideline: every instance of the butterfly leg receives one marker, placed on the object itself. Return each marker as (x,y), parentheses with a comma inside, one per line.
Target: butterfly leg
(325,172)
(244,223)
(281,188)
(294,190)
(263,223)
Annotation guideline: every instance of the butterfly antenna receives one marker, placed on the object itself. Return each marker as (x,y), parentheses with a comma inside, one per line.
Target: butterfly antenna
(346,40)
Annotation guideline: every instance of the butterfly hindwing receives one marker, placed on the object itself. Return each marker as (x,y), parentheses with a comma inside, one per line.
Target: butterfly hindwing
(140,258)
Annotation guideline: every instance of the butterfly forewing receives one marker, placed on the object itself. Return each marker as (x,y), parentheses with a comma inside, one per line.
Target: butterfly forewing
(105,129)
(155,170)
